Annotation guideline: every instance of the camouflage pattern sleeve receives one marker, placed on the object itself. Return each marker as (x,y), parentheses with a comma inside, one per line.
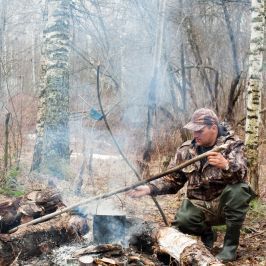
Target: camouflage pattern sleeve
(172,183)
(237,163)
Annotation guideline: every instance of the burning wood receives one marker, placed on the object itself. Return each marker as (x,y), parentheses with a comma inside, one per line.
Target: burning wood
(99,249)
(41,238)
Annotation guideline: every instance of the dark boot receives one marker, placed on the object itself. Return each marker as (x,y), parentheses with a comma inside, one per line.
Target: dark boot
(231,241)
(208,238)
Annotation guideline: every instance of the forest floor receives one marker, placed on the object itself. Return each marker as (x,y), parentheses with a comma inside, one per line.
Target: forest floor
(111,174)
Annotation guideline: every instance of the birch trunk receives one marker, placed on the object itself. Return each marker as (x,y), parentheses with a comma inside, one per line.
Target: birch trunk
(37,154)
(254,89)
(53,119)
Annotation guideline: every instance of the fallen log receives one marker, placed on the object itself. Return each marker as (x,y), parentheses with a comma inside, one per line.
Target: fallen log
(41,238)
(181,248)
(184,249)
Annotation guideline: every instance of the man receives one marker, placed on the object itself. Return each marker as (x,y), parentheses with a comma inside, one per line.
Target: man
(217,189)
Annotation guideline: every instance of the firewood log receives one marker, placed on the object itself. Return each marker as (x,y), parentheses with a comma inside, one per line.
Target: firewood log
(86,261)
(149,237)
(9,216)
(184,249)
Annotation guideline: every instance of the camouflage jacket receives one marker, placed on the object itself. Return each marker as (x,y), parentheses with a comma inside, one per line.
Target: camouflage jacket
(205,182)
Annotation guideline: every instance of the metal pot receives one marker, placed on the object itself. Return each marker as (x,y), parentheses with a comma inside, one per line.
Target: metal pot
(109,229)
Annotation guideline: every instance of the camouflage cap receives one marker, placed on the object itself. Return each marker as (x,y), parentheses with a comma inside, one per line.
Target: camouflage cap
(201,118)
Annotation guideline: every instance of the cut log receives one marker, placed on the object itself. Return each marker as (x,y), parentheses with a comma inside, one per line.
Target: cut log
(17,211)
(105,261)
(86,261)
(41,238)
(184,249)
(9,216)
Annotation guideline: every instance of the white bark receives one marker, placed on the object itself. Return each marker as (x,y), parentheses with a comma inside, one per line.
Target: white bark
(54,100)
(254,89)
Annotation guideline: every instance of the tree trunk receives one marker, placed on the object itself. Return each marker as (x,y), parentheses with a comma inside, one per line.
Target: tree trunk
(6,142)
(254,90)
(199,62)
(53,135)
(154,82)
(232,91)
(37,153)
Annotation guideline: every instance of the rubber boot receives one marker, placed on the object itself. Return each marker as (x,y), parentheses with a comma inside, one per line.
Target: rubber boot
(208,238)
(231,241)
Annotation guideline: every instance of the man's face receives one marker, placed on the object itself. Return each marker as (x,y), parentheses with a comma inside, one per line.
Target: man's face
(206,136)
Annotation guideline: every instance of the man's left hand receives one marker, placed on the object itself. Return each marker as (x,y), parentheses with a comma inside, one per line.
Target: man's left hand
(216,159)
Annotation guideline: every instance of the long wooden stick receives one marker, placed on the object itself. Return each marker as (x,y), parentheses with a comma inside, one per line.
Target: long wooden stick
(125,189)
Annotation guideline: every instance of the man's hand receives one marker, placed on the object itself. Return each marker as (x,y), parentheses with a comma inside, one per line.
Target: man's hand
(216,159)
(139,191)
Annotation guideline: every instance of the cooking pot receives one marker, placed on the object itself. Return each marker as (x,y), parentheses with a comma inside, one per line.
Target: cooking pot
(109,228)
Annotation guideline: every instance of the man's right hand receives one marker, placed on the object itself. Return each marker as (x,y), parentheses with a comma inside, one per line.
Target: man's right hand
(139,192)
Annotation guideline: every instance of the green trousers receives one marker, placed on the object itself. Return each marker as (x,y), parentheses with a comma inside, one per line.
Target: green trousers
(196,216)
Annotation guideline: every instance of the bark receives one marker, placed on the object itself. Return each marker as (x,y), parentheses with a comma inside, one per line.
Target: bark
(41,238)
(254,90)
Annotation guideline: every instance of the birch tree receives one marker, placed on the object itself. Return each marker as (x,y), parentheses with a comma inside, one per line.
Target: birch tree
(52,145)
(254,89)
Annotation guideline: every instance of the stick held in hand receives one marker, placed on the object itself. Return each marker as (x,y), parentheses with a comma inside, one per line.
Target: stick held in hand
(125,189)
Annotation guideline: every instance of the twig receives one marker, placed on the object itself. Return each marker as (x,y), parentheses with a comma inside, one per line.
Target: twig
(256,234)
(125,189)
(119,149)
